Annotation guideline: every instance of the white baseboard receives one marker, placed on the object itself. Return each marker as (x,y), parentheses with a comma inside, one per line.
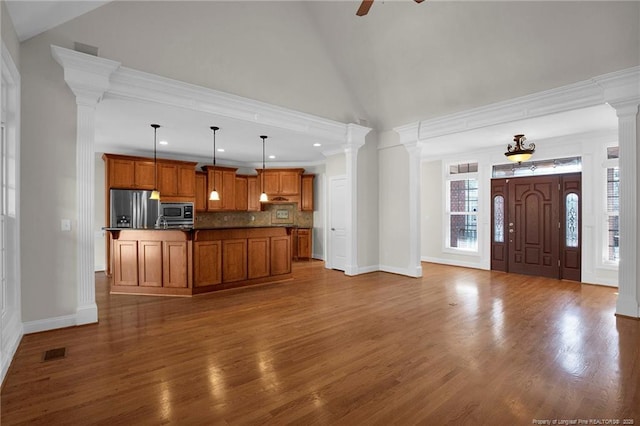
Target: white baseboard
(49,324)
(368,269)
(11,336)
(627,308)
(409,272)
(450,262)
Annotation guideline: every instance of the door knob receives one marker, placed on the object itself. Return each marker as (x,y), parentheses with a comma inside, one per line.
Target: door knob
(333,229)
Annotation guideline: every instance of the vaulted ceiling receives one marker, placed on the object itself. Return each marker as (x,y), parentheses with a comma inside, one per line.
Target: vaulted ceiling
(401,63)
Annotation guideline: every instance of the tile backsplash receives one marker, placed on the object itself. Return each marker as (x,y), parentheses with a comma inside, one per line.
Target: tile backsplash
(273,215)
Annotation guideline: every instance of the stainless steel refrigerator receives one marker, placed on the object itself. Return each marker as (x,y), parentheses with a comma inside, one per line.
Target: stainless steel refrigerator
(132,209)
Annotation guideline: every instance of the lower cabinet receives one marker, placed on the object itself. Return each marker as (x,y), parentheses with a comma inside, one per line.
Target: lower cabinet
(259,257)
(174,264)
(151,264)
(207,267)
(234,260)
(198,261)
(125,263)
(280,255)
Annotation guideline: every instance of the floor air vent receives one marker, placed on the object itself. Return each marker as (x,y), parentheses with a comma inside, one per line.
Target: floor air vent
(52,354)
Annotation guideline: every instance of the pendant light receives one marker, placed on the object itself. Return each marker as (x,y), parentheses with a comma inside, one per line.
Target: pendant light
(155,194)
(214,196)
(263,196)
(517,152)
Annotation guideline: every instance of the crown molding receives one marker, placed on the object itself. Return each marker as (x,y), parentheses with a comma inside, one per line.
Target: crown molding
(619,89)
(91,77)
(132,84)
(87,76)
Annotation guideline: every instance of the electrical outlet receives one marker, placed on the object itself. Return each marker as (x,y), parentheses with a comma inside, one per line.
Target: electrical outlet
(65,225)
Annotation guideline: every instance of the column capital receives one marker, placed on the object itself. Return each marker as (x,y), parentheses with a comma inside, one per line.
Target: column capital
(621,89)
(355,136)
(87,76)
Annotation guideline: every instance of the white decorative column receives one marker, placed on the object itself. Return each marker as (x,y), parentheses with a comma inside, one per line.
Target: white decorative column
(622,92)
(355,138)
(409,138)
(88,78)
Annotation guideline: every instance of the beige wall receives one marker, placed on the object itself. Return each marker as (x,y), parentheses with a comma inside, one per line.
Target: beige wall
(431,209)
(367,202)
(393,163)
(48,147)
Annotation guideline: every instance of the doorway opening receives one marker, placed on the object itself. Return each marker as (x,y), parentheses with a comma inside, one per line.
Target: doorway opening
(535,225)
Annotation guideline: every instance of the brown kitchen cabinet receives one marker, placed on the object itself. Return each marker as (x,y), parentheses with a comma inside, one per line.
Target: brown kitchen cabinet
(259,259)
(207,268)
(125,172)
(174,264)
(225,183)
(151,262)
(234,260)
(280,255)
(253,194)
(279,182)
(176,181)
(125,263)
(241,194)
(302,243)
(306,195)
(201,192)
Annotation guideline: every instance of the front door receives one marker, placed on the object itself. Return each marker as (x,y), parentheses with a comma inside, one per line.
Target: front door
(536,226)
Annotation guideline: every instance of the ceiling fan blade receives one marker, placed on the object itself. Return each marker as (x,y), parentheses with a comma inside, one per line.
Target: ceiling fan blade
(419,1)
(364,7)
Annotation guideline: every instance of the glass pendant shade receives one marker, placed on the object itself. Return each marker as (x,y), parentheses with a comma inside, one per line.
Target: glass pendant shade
(155,194)
(214,196)
(263,196)
(517,152)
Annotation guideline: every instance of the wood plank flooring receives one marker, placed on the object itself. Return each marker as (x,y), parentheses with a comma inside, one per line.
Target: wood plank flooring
(458,346)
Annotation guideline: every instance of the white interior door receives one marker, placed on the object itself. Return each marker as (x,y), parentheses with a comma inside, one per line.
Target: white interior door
(338,223)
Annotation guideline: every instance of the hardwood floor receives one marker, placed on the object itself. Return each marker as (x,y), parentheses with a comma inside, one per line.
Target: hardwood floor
(458,346)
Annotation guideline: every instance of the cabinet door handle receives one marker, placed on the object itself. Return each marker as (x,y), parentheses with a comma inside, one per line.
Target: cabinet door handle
(333,229)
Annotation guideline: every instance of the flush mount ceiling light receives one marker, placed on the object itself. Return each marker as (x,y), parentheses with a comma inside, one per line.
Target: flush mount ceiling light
(155,194)
(214,196)
(517,152)
(263,196)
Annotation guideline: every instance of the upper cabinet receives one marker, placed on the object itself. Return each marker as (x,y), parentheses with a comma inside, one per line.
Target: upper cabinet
(253,194)
(223,179)
(175,179)
(306,195)
(201,191)
(129,172)
(281,182)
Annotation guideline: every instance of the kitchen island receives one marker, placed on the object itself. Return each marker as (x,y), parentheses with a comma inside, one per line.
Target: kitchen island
(184,262)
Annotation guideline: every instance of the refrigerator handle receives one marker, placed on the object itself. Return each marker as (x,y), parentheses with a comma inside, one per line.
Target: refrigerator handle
(135,221)
(143,205)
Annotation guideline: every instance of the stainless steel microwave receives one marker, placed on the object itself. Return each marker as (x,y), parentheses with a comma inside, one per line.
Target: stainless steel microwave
(177,213)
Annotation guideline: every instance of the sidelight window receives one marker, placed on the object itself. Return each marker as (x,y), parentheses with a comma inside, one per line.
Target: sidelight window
(462,207)
(613,218)
(571,220)
(498,219)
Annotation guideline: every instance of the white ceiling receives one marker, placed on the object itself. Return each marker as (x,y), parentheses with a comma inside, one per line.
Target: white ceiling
(31,18)
(399,64)
(123,126)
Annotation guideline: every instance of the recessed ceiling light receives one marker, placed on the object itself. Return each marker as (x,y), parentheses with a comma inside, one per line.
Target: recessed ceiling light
(163,143)
(220,150)
(272,157)
(317,144)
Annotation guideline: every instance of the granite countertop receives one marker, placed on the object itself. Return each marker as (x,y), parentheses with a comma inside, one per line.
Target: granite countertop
(191,228)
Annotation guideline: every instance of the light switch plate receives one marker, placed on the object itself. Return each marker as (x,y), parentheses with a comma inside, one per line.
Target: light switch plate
(65,225)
